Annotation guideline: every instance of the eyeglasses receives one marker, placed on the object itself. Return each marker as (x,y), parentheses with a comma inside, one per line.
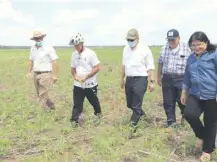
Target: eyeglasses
(130,40)
(196,45)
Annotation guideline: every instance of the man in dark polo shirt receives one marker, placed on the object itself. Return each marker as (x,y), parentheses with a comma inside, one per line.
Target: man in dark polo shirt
(171,68)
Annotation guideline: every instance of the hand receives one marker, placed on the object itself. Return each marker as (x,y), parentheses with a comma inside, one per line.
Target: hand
(183,99)
(159,81)
(122,83)
(151,87)
(54,79)
(29,75)
(77,78)
(84,78)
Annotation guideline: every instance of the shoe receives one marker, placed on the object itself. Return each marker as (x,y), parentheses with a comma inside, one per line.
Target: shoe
(97,119)
(74,123)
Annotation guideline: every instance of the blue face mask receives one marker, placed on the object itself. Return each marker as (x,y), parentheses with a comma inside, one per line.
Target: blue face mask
(39,43)
(132,44)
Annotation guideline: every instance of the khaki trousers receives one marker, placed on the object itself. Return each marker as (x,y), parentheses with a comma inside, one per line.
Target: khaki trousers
(43,84)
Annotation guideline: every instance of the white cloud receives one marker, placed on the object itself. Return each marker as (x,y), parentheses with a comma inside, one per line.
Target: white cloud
(68,17)
(8,12)
(154,18)
(105,27)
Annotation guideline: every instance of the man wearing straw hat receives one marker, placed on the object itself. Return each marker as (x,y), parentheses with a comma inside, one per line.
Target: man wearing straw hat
(43,63)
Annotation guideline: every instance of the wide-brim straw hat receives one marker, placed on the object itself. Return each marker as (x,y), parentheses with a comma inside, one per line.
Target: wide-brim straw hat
(37,33)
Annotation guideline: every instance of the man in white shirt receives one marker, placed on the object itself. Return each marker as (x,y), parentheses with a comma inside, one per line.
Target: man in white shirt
(43,62)
(137,67)
(84,68)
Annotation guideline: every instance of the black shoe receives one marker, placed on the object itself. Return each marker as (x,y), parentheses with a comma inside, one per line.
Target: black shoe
(170,125)
(74,123)
(132,130)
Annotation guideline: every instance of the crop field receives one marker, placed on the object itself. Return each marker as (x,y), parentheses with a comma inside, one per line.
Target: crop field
(29,134)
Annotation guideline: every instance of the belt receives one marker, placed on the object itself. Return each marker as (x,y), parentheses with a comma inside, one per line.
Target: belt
(41,72)
(173,75)
(136,77)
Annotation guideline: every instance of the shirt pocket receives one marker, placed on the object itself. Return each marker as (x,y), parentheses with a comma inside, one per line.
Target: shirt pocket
(207,62)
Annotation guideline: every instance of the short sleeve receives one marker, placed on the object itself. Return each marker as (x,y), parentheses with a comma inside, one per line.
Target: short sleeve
(161,57)
(123,60)
(30,55)
(52,54)
(73,61)
(215,61)
(94,59)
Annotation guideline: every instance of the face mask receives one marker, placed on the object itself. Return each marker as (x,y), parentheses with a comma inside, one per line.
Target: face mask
(131,44)
(39,43)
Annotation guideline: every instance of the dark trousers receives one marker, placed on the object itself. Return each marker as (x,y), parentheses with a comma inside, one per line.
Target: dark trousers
(172,89)
(207,132)
(78,97)
(135,88)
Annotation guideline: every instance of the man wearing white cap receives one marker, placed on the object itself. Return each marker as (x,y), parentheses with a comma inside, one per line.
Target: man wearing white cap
(138,68)
(43,62)
(84,68)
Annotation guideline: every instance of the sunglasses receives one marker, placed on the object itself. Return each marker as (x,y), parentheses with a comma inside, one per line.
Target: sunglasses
(130,40)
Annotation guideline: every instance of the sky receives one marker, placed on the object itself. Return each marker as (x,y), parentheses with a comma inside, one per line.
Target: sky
(105,22)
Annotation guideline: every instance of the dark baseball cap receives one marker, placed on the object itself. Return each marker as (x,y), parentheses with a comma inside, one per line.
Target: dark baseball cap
(172,34)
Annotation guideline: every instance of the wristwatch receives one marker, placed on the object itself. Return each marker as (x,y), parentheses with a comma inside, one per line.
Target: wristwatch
(152,81)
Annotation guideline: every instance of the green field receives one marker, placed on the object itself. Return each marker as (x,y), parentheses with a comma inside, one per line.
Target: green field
(28,134)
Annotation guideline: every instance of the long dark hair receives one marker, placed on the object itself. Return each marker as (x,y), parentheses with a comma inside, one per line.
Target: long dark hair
(201,36)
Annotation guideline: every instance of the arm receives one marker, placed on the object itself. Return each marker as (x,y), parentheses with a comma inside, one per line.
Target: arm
(160,66)
(123,72)
(94,71)
(151,75)
(159,71)
(30,66)
(149,62)
(73,71)
(73,68)
(95,63)
(186,82)
(54,68)
(186,85)
(53,56)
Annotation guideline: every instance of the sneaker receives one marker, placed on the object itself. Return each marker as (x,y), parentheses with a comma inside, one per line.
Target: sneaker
(170,125)
(97,119)
(74,123)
